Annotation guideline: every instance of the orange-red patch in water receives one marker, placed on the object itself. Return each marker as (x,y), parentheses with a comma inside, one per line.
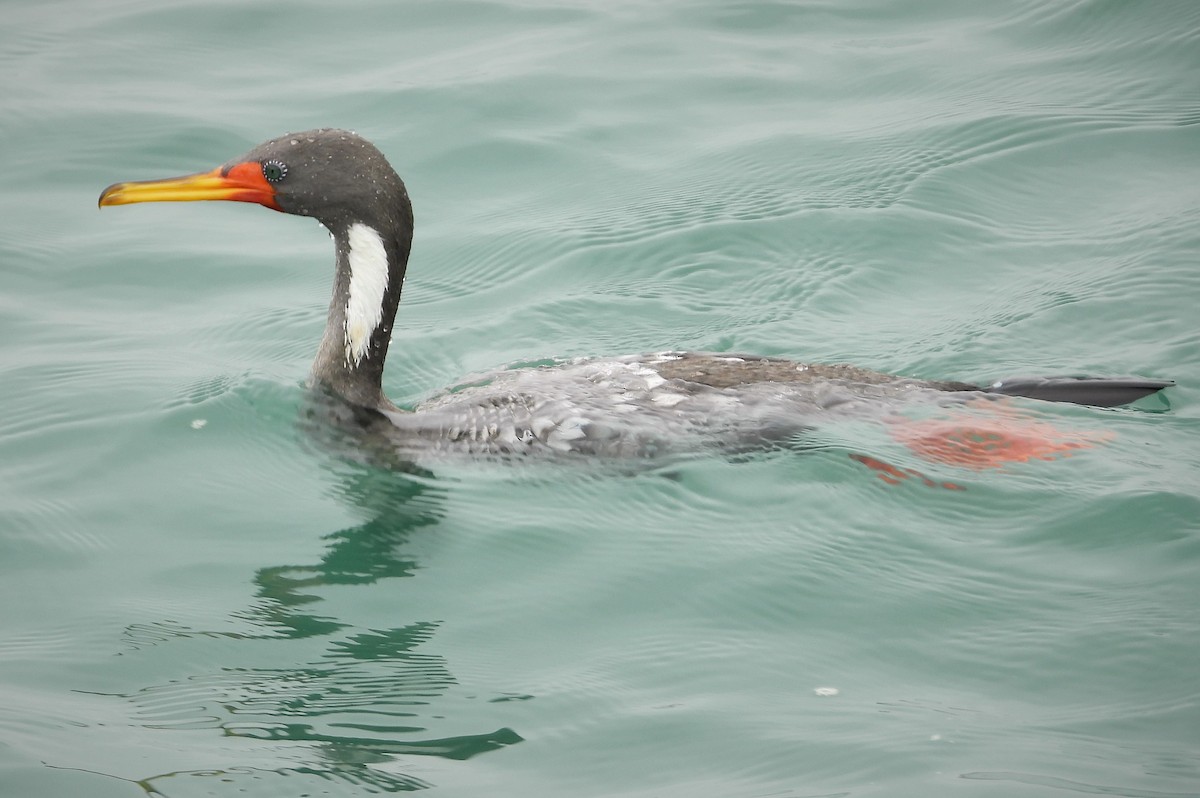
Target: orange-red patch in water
(977,441)
(991,442)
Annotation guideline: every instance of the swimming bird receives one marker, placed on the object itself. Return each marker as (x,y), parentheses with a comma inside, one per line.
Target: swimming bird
(632,406)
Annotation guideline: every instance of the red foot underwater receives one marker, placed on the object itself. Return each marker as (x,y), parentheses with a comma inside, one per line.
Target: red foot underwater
(894,476)
(988,435)
(994,434)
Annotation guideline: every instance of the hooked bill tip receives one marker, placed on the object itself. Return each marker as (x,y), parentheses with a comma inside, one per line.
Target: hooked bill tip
(100,203)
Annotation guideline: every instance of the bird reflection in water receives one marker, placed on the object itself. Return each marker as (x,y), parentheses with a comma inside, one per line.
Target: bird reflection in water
(360,704)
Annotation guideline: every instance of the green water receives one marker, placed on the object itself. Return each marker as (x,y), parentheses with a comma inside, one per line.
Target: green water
(198,602)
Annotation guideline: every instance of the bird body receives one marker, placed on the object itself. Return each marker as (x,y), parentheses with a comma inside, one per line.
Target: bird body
(644,405)
(634,406)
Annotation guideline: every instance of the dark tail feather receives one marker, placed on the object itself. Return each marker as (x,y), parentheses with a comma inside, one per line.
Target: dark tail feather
(1080,390)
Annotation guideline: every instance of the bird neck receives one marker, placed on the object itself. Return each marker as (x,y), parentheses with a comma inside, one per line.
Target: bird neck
(366,292)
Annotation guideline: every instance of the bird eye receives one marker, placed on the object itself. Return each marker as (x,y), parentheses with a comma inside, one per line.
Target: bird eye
(274,171)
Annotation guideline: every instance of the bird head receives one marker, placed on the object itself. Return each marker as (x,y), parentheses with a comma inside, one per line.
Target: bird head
(332,175)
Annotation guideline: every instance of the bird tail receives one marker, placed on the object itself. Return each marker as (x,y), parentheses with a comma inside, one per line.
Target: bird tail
(1080,390)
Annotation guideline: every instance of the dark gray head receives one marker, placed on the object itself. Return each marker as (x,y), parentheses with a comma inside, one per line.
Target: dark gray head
(343,181)
(335,176)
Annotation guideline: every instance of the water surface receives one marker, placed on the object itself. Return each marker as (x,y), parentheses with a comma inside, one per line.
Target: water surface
(199,602)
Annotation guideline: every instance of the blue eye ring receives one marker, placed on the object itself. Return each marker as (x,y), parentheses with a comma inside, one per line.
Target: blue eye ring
(274,171)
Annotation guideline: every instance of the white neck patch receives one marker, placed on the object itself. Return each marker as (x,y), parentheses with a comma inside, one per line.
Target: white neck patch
(368,283)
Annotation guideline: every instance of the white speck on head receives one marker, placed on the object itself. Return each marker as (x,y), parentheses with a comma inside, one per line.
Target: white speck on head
(199,423)
(826,692)
(368,284)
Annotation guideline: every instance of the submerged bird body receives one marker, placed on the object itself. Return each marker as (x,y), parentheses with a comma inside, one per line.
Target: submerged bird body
(636,406)
(649,405)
